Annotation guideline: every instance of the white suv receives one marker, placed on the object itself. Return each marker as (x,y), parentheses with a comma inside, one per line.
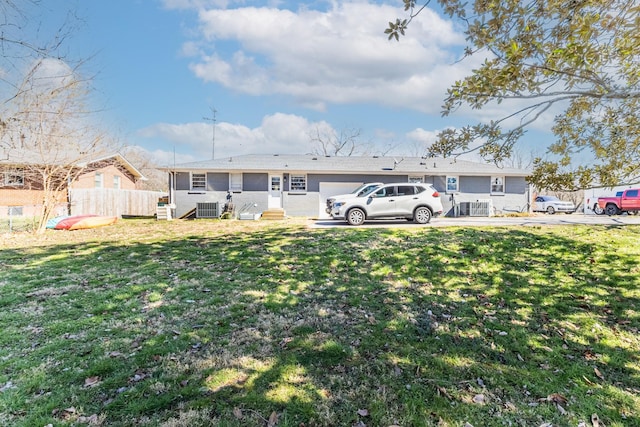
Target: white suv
(413,201)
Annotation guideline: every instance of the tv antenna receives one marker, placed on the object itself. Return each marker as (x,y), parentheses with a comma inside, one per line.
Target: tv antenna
(213,138)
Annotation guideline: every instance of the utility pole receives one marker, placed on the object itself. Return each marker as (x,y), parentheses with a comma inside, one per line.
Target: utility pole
(213,139)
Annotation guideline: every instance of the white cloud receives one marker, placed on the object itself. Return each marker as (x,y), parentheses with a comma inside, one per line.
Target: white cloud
(337,56)
(419,135)
(278,133)
(320,58)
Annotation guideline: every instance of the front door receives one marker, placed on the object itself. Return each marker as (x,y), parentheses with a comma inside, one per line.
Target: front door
(275,191)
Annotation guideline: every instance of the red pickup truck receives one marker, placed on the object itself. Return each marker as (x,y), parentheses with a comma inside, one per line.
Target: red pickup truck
(628,201)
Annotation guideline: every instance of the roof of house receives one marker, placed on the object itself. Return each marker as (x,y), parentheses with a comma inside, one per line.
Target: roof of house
(348,165)
(124,162)
(18,157)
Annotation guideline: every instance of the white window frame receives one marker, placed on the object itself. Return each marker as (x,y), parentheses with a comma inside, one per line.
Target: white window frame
(235,181)
(198,181)
(98,180)
(297,182)
(497,184)
(116,182)
(14,178)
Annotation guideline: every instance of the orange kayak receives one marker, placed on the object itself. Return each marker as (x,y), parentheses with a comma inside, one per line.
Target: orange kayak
(79,222)
(93,222)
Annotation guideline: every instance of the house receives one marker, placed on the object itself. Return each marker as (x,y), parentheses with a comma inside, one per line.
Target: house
(300,184)
(103,186)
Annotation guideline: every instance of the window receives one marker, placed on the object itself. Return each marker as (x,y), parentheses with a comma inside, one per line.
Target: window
(298,183)
(452,184)
(497,184)
(406,190)
(275,183)
(383,192)
(14,177)
(235,182)
(16,211)
(98,179)
(198,181)
(116,182)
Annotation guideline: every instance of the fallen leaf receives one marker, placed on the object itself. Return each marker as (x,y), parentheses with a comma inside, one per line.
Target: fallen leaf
(363,412)
(479,398)
(92,419)
(237,412)
(137,377)
(595,420)
(273,419)
(557,398)
(561,409)
(91,381)
(598,373)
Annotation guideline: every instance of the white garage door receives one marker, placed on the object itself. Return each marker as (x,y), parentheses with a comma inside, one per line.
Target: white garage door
(328,189)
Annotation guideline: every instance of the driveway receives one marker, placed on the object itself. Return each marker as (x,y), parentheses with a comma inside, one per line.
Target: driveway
(534,220)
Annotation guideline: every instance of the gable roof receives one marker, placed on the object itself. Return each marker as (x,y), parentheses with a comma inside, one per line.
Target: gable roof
(348,165)
(18,157)
(124,162)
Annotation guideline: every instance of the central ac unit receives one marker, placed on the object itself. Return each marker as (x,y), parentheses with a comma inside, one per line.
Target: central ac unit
(207,210)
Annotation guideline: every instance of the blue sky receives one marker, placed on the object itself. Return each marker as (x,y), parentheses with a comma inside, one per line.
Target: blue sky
(276,72)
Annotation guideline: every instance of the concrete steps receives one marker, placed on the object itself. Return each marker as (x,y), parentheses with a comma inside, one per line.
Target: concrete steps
(273,214)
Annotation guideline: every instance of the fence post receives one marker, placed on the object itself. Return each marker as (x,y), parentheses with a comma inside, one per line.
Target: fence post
(10,219)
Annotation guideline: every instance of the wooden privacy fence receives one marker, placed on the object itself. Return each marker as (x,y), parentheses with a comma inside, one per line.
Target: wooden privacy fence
(111,202)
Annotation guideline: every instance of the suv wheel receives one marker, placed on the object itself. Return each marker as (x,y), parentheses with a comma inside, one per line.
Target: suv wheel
(551,210)
(355,216)
(422,215)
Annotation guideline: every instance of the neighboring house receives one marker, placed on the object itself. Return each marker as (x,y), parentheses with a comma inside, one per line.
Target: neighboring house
(104,186)
(300,184)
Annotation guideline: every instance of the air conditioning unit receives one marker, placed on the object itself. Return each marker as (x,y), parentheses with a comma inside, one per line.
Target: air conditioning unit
(481,208)
(207,210)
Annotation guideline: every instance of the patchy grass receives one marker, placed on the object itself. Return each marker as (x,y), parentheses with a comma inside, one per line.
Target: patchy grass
(236,323)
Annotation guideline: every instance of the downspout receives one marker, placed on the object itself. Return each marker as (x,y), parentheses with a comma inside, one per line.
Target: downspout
(68,195)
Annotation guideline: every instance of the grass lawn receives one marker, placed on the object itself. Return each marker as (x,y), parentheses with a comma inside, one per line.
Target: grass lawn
(257,323)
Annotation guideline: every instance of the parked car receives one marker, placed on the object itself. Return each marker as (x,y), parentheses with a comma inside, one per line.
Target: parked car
(360,191)
(412,201)
(551,205)
(626,201)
